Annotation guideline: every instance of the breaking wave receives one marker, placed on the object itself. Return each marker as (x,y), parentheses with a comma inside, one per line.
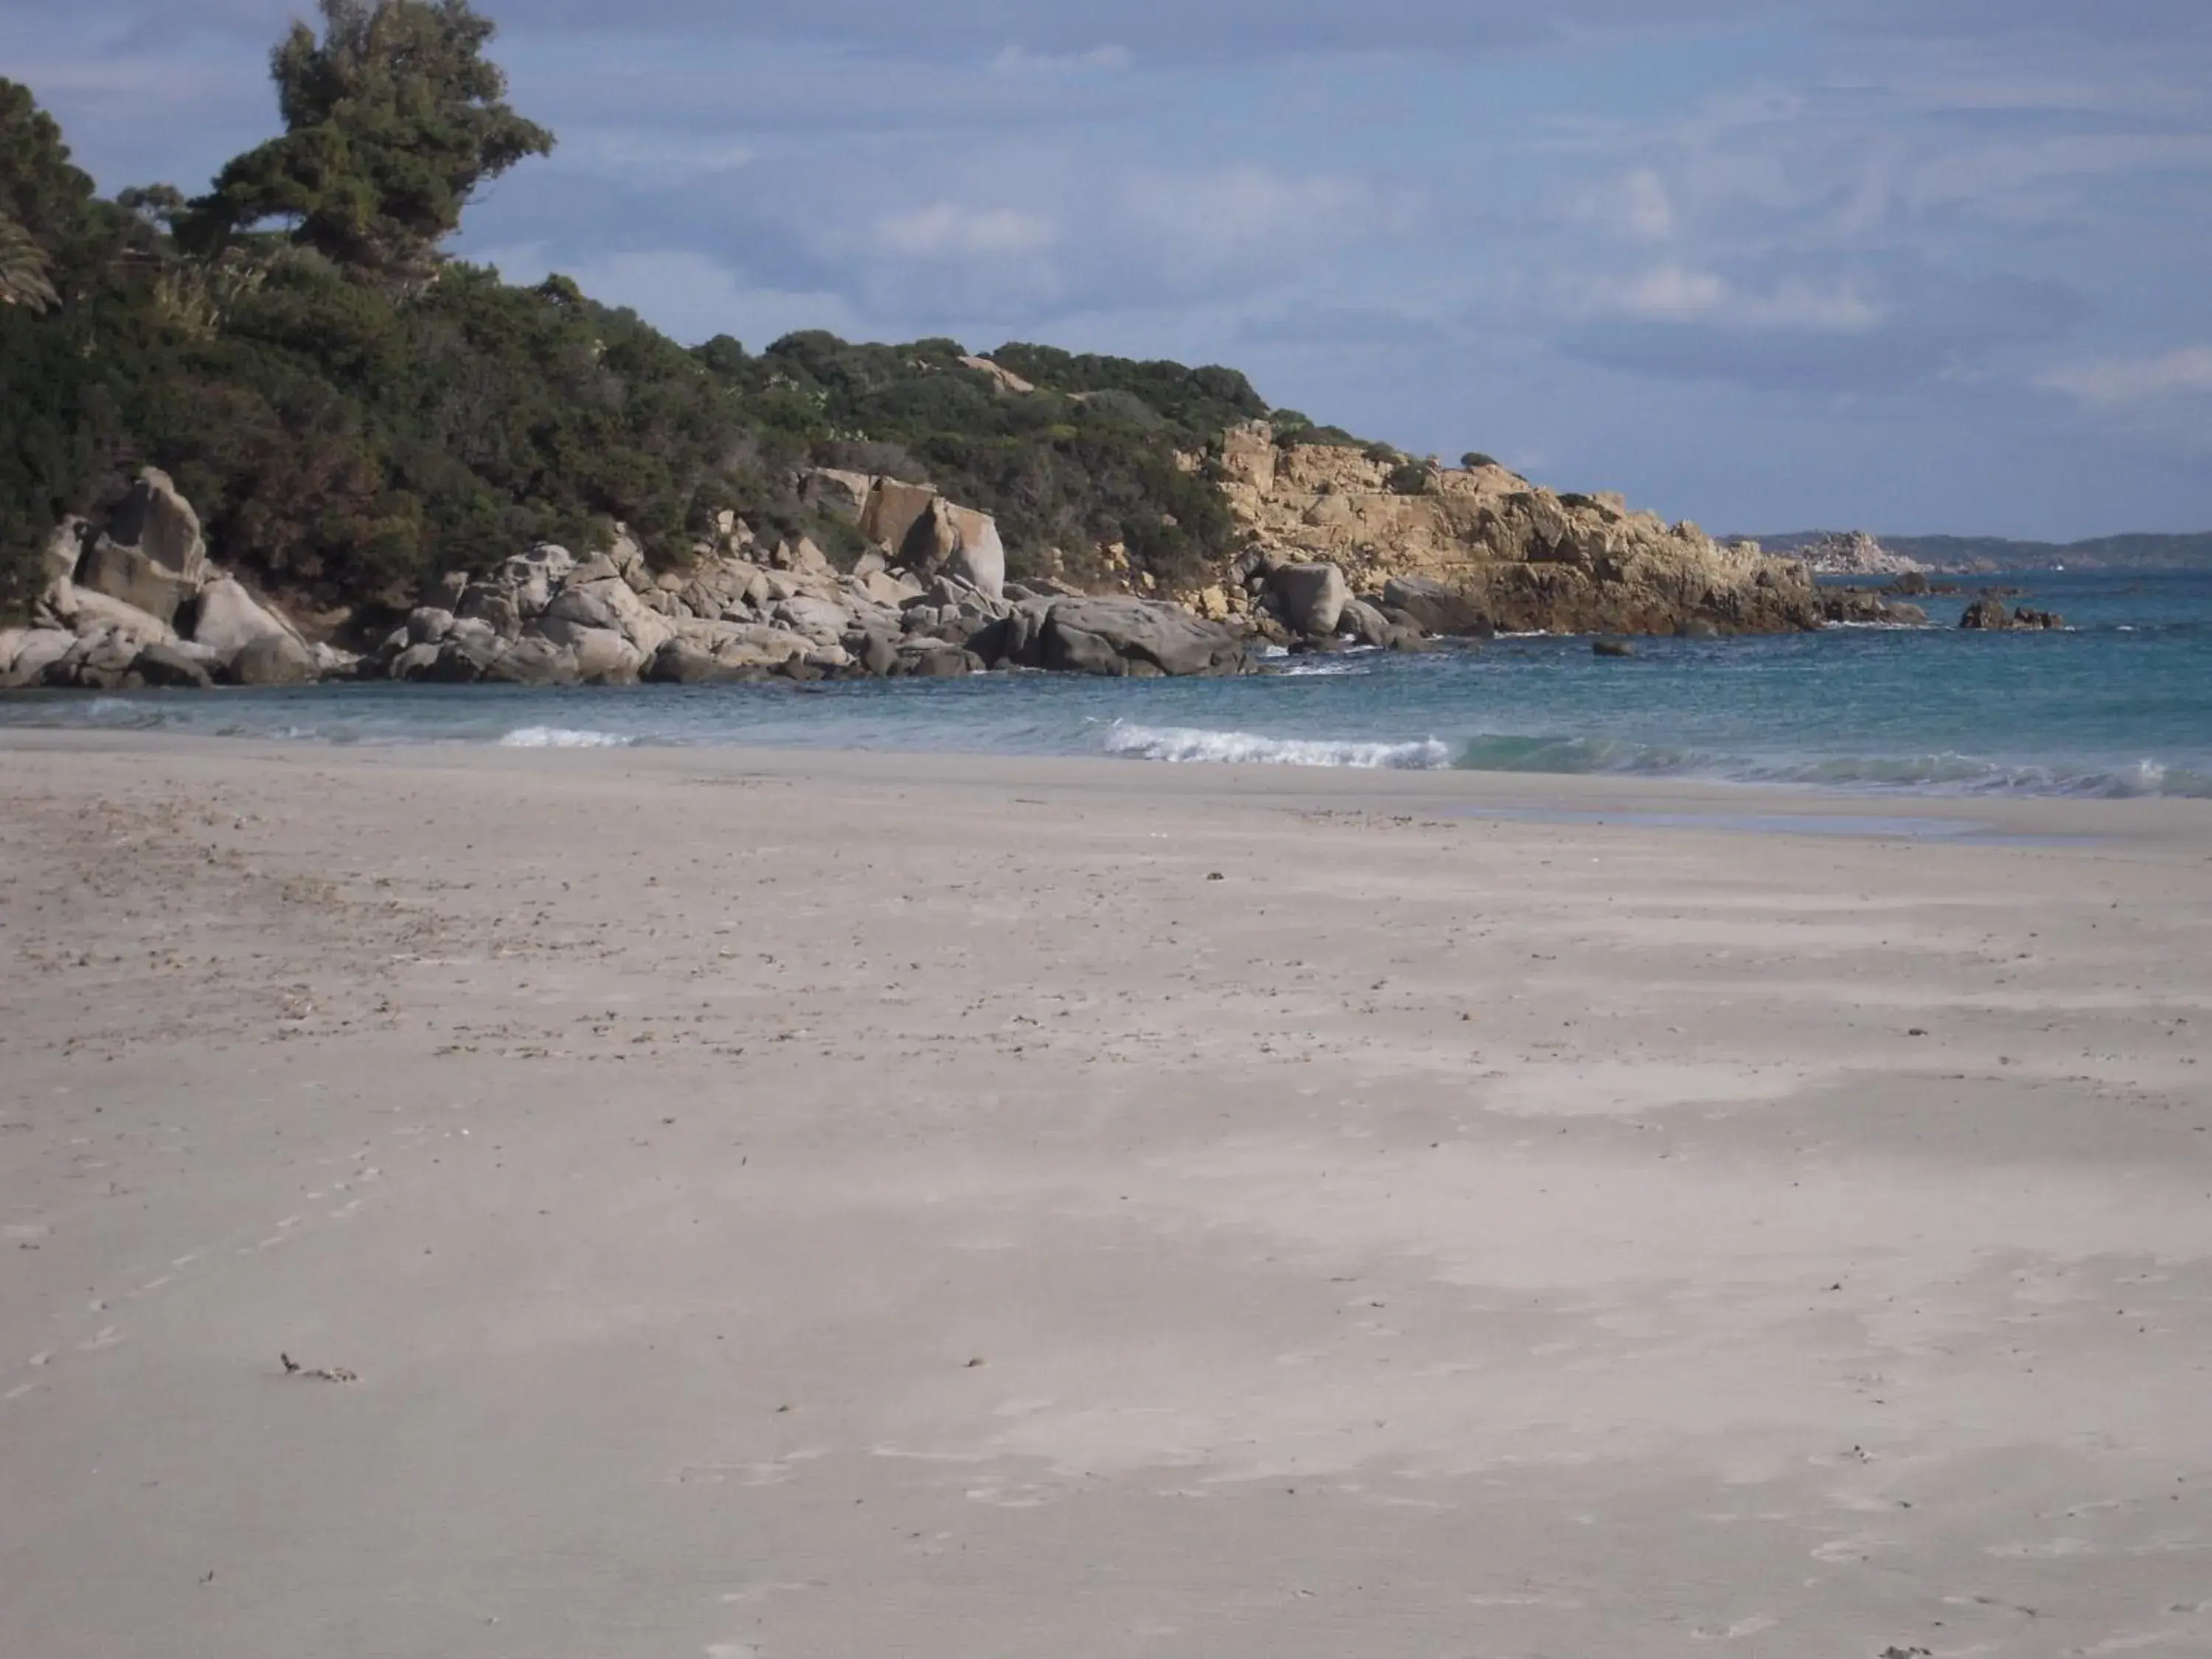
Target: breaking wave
(563,736)
(1919,775)
(1194,743)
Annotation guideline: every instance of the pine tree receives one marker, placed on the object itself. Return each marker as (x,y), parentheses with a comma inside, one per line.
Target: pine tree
(392,119)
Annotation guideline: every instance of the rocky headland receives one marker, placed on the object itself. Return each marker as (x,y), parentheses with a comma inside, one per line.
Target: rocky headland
(1334,555)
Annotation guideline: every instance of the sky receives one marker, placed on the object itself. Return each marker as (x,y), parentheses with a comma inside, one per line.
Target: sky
(1913,265)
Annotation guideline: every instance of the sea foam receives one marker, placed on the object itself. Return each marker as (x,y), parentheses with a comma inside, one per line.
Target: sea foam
(563,736)
(1194,743)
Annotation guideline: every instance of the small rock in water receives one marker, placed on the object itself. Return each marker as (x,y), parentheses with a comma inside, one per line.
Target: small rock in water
(1612,649)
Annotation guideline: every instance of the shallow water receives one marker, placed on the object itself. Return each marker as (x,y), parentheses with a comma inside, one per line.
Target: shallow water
(2118,705)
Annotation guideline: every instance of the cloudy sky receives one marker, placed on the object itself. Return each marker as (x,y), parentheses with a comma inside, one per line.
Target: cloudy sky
(1916,264)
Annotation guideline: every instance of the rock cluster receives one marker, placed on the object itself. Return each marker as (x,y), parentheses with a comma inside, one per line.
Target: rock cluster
(931,600)
(135,602)
(1482,549)
(1988,613)
(1868,604)
(1855,553)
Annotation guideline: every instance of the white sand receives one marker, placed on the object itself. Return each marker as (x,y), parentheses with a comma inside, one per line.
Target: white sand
(1441,1236)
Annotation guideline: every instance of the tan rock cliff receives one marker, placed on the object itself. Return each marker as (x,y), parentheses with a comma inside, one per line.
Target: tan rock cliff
(1524,557)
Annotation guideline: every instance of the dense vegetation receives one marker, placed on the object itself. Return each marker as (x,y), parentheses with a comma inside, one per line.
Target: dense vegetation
(350,412)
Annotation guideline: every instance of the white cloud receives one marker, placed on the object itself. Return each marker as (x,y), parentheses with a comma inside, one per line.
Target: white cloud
(2013,180)
(1636,205)
(944,230)
(676,154)
(1681,294)
(1235,211)
(2124,382)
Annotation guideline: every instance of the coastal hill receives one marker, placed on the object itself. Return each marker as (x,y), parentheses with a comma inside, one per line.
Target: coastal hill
(312,412)
(1972,555)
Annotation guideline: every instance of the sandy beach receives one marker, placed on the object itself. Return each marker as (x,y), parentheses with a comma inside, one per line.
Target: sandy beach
(772,1205)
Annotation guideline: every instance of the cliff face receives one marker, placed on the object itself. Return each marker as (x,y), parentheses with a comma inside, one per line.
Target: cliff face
(1521,557)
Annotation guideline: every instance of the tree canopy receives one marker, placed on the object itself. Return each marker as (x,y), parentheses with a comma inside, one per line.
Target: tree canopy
(392,119)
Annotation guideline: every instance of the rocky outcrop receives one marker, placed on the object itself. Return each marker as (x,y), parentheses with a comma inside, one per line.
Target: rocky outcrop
(226,618)
(1137,639)
(1483,550)
(151,555)
(1855,553)
(134,601)
(915,530)
(1866,606)
(1988,613)
(742,612)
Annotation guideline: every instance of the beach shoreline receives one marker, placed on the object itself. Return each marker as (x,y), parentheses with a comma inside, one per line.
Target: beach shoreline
(775,1201)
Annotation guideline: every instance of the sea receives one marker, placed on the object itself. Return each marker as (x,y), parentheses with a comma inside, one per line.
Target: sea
(2118,704)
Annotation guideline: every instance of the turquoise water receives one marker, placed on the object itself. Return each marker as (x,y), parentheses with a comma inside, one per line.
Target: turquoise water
(2121,704)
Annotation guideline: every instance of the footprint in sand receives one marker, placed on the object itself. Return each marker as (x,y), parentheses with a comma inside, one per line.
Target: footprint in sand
(1852,1548)
(1735,1633)
(2043,1549)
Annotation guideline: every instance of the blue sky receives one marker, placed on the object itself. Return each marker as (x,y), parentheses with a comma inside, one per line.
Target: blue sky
(1914,265)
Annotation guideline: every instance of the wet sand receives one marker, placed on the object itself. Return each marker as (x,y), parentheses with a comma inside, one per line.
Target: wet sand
(773,1205)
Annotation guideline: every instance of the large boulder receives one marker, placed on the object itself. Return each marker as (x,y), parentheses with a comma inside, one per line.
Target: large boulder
(604,657)
(893,508)
(151,557)
(831,489)
(63,548)
(413,662)
(492,603)
(171,666)
(680,663)
(1366,623)
(957,542)
(161,524)
(931,659)
(533,661)
(879,586)
(1122,637)
(90,610)
(1437,607)
(1309,597)
(823,621)
(760,646)
(272,659)
(97,659)
(529,580)
(608,604)
(227,618)
(26,653)
(133,577)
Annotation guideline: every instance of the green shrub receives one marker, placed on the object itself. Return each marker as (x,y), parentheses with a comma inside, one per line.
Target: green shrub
(1410,477)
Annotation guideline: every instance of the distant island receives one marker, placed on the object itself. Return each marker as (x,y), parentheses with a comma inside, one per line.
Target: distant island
(1974,555)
